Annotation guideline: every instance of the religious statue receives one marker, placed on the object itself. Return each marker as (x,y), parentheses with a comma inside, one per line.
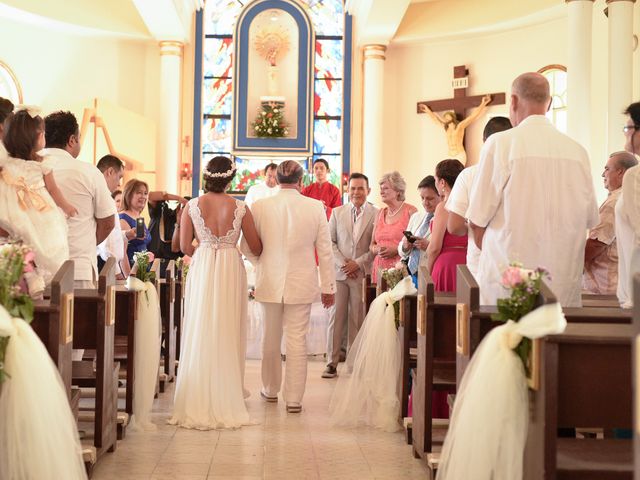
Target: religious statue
(272,42)
(455,129)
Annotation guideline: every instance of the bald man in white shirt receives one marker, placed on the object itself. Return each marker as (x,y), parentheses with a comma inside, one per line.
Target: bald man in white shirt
(533,198)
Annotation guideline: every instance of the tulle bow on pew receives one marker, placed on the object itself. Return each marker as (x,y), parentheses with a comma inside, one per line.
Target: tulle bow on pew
(148,334)
(367,390)
(488,427)
(38,434)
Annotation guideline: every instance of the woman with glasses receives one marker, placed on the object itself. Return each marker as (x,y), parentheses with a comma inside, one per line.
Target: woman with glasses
(628,212)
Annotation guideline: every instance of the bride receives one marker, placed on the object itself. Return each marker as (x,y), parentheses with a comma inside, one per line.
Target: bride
(209,388)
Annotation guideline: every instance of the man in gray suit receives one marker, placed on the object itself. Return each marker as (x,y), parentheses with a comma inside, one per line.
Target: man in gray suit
(351,227)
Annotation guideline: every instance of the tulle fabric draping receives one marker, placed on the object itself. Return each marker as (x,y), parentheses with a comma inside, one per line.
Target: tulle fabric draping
(148,335)
(489,423)
(367,389)
(38,434)
(209,388)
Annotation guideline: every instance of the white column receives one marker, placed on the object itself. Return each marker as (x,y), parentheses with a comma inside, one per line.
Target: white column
(620,69)
(579,71)
(168,157)
(373,117)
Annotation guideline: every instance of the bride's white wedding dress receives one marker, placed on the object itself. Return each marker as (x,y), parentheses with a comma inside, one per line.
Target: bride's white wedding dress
(209,387)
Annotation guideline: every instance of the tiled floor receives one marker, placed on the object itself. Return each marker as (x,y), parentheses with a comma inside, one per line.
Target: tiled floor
(282,446)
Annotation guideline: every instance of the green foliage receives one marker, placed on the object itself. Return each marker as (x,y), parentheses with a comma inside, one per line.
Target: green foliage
(393,276)
(269,122)
(14,257)
(525,288)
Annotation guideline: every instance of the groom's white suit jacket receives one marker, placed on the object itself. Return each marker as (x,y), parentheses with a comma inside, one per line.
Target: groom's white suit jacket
(292,228)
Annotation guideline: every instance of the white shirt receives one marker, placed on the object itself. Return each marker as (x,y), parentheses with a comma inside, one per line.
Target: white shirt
(113,245)
(357,219)
(458,203)
(534,194)
(84,187)
(628,235)
(258,191)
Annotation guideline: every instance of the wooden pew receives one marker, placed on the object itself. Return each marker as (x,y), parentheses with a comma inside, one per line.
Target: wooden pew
(474,320)
(584,380)
(178,310)
(167,296)
(126,301)
(93,329)
(435,367)
(53,323)
(369,292)
(408,340)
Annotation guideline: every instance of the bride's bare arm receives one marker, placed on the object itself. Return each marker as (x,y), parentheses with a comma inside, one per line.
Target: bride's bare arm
(250,233)
(186,233)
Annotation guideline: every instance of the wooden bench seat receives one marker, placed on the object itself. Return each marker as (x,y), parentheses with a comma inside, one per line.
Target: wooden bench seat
(93,328)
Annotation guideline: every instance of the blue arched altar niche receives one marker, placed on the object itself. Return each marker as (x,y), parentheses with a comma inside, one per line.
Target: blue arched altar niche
(301,144)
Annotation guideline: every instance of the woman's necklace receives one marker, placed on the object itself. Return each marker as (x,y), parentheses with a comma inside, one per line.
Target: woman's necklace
(393,214)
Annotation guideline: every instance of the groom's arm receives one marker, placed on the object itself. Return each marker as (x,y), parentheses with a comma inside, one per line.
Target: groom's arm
(324,249)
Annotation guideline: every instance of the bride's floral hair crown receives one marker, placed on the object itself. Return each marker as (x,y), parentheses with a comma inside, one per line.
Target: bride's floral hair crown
(228,173)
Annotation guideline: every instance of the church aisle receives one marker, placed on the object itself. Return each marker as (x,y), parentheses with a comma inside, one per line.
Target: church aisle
(282,447)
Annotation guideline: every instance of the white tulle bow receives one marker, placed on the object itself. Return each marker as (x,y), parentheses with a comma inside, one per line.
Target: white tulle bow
(366,393)
(488,427)
(147,346)
(38,434)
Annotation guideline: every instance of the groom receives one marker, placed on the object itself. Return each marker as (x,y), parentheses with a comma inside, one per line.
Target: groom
(292,227)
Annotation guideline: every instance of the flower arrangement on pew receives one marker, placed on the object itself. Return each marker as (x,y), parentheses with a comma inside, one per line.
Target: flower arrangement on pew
(393,276)
(143,260)
(183,264)
(525,287)
(16,260)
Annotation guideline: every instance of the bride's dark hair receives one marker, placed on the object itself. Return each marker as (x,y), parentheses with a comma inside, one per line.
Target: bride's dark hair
(218,165)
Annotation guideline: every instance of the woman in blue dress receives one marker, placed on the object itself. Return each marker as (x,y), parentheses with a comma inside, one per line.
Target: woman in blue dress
(134,200)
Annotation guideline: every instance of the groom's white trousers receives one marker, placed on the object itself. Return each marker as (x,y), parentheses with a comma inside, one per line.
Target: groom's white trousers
(294,318)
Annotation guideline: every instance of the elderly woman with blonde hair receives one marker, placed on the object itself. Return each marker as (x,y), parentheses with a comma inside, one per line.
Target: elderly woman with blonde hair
(391,222)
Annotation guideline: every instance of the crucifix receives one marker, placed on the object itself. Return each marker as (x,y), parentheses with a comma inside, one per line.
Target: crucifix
(454,121)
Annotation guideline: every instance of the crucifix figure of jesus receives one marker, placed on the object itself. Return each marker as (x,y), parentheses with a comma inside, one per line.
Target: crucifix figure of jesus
(453,119)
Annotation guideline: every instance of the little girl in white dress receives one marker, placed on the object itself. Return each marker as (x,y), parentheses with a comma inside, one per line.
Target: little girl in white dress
(29,196)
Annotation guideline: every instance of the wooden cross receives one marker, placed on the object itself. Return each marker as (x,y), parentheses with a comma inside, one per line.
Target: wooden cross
(460,103)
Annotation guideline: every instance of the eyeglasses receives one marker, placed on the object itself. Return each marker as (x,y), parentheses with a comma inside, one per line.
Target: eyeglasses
(628,128)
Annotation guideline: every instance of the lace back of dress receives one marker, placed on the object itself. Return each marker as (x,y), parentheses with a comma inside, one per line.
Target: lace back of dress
(203,232)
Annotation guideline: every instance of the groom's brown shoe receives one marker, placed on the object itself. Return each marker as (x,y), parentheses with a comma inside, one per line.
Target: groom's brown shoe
(268,398)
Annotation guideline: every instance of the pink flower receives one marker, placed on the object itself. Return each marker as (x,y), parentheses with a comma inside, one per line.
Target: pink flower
(151,257)
(511,277)
(187,260)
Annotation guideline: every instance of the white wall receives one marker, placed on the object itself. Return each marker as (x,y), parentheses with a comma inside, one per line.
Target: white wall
(413,143)
(60,70)
(423,71)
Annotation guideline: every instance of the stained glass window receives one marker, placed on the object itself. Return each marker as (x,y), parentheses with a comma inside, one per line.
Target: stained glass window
(220,17)
(557,77)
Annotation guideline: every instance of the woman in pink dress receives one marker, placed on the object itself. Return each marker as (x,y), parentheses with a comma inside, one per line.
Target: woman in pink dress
(391,222)
(445,251)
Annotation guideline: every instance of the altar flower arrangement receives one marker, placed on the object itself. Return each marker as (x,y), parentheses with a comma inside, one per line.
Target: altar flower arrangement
(270,122)
(524,285)
(143,260)
(393,276)
(16,259)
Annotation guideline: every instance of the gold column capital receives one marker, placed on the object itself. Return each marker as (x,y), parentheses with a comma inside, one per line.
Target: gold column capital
(171,47)
(613,1)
